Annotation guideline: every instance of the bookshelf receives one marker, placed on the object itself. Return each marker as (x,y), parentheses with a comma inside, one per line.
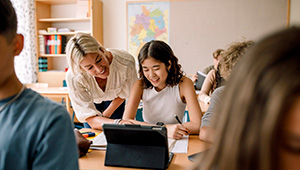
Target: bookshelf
(63,14)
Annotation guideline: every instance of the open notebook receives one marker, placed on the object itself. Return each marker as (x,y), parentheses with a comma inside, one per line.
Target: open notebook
(99,142)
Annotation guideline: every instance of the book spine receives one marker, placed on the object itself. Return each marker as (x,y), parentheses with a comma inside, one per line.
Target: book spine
(55,44)
(52,45)
(43,64)
(58,45)
(63,44)
(47,44)
(42,44)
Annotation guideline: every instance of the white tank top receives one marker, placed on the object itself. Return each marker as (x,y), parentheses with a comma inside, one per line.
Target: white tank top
(162,106)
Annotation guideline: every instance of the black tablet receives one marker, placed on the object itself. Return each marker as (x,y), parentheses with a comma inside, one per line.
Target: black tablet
(136,146)
(200,80)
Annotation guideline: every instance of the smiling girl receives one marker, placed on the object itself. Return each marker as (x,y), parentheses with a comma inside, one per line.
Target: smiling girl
(99,80)
(164,91)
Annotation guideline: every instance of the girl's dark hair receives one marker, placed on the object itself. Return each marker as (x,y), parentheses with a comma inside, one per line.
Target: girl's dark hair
(161,52)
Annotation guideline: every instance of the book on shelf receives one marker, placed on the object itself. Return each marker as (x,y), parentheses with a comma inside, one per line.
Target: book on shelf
(64,30)
(42,32)
(43,64)
(47,42)
(51,29)
(42,44)
(53,44)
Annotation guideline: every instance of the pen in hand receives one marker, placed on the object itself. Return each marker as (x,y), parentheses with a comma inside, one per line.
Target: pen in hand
(178,120)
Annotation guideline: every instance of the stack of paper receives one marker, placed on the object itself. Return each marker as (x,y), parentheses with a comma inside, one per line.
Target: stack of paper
(99,142)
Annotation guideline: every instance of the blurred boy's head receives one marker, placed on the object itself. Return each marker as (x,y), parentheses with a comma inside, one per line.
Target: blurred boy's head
(11,43)
(8,26)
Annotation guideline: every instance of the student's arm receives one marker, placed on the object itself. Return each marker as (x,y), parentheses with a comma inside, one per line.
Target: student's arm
(133,101)
(207,130)
(207,134)
(207,86)
(96,122)
(194,78)
(188,93)
(82,143)
(112,107)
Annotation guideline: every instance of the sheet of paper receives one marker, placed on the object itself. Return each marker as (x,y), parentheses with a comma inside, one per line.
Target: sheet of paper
(99,140)
(171,143)
(181,146)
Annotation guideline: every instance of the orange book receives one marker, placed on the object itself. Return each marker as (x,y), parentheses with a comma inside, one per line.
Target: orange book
(58,44)
(52,46)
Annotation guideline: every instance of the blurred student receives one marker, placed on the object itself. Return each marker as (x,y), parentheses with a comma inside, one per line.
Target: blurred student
(164,91)
(230,58)
(260,115)
(36,133)
(99,80)
(213,79)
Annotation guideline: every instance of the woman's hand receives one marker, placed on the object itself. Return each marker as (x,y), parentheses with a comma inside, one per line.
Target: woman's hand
(123,122)
(176,131)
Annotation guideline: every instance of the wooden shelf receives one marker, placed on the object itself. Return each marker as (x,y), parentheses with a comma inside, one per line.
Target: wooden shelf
(64,19)
(64,33)
(52,55)
(61,14)
(57,2)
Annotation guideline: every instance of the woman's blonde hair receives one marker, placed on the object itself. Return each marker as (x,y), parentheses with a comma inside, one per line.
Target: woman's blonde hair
(257,97)
(77,48)
(231,56)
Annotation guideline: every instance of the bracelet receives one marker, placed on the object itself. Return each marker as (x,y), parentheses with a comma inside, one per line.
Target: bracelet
(117,121)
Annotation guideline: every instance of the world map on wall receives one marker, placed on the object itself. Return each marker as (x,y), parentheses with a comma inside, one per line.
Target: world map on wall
(147,21)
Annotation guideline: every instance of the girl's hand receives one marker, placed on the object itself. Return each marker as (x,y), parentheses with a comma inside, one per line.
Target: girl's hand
(176,131)
(194,78)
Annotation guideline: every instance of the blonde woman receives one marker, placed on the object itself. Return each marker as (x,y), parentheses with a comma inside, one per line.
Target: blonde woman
(260,116)
(99,80)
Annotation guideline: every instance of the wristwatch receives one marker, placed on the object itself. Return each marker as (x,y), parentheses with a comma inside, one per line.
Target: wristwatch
(160,123)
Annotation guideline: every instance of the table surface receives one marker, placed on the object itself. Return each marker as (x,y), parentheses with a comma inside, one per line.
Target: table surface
(94,160)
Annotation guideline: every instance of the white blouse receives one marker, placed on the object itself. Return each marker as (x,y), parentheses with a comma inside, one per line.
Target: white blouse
(84,90)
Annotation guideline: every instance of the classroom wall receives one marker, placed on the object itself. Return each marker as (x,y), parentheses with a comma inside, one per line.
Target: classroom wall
(295,13)
(198,27)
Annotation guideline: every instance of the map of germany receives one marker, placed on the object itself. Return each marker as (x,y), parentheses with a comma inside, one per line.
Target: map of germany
(147,21)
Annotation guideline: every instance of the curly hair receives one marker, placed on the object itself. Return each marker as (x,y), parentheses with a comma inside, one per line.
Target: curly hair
(161,52)
(231,56)
(256,106)
(217,53)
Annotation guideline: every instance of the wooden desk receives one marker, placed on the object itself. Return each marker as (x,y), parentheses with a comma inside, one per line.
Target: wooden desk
(95,160)
(55,92)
